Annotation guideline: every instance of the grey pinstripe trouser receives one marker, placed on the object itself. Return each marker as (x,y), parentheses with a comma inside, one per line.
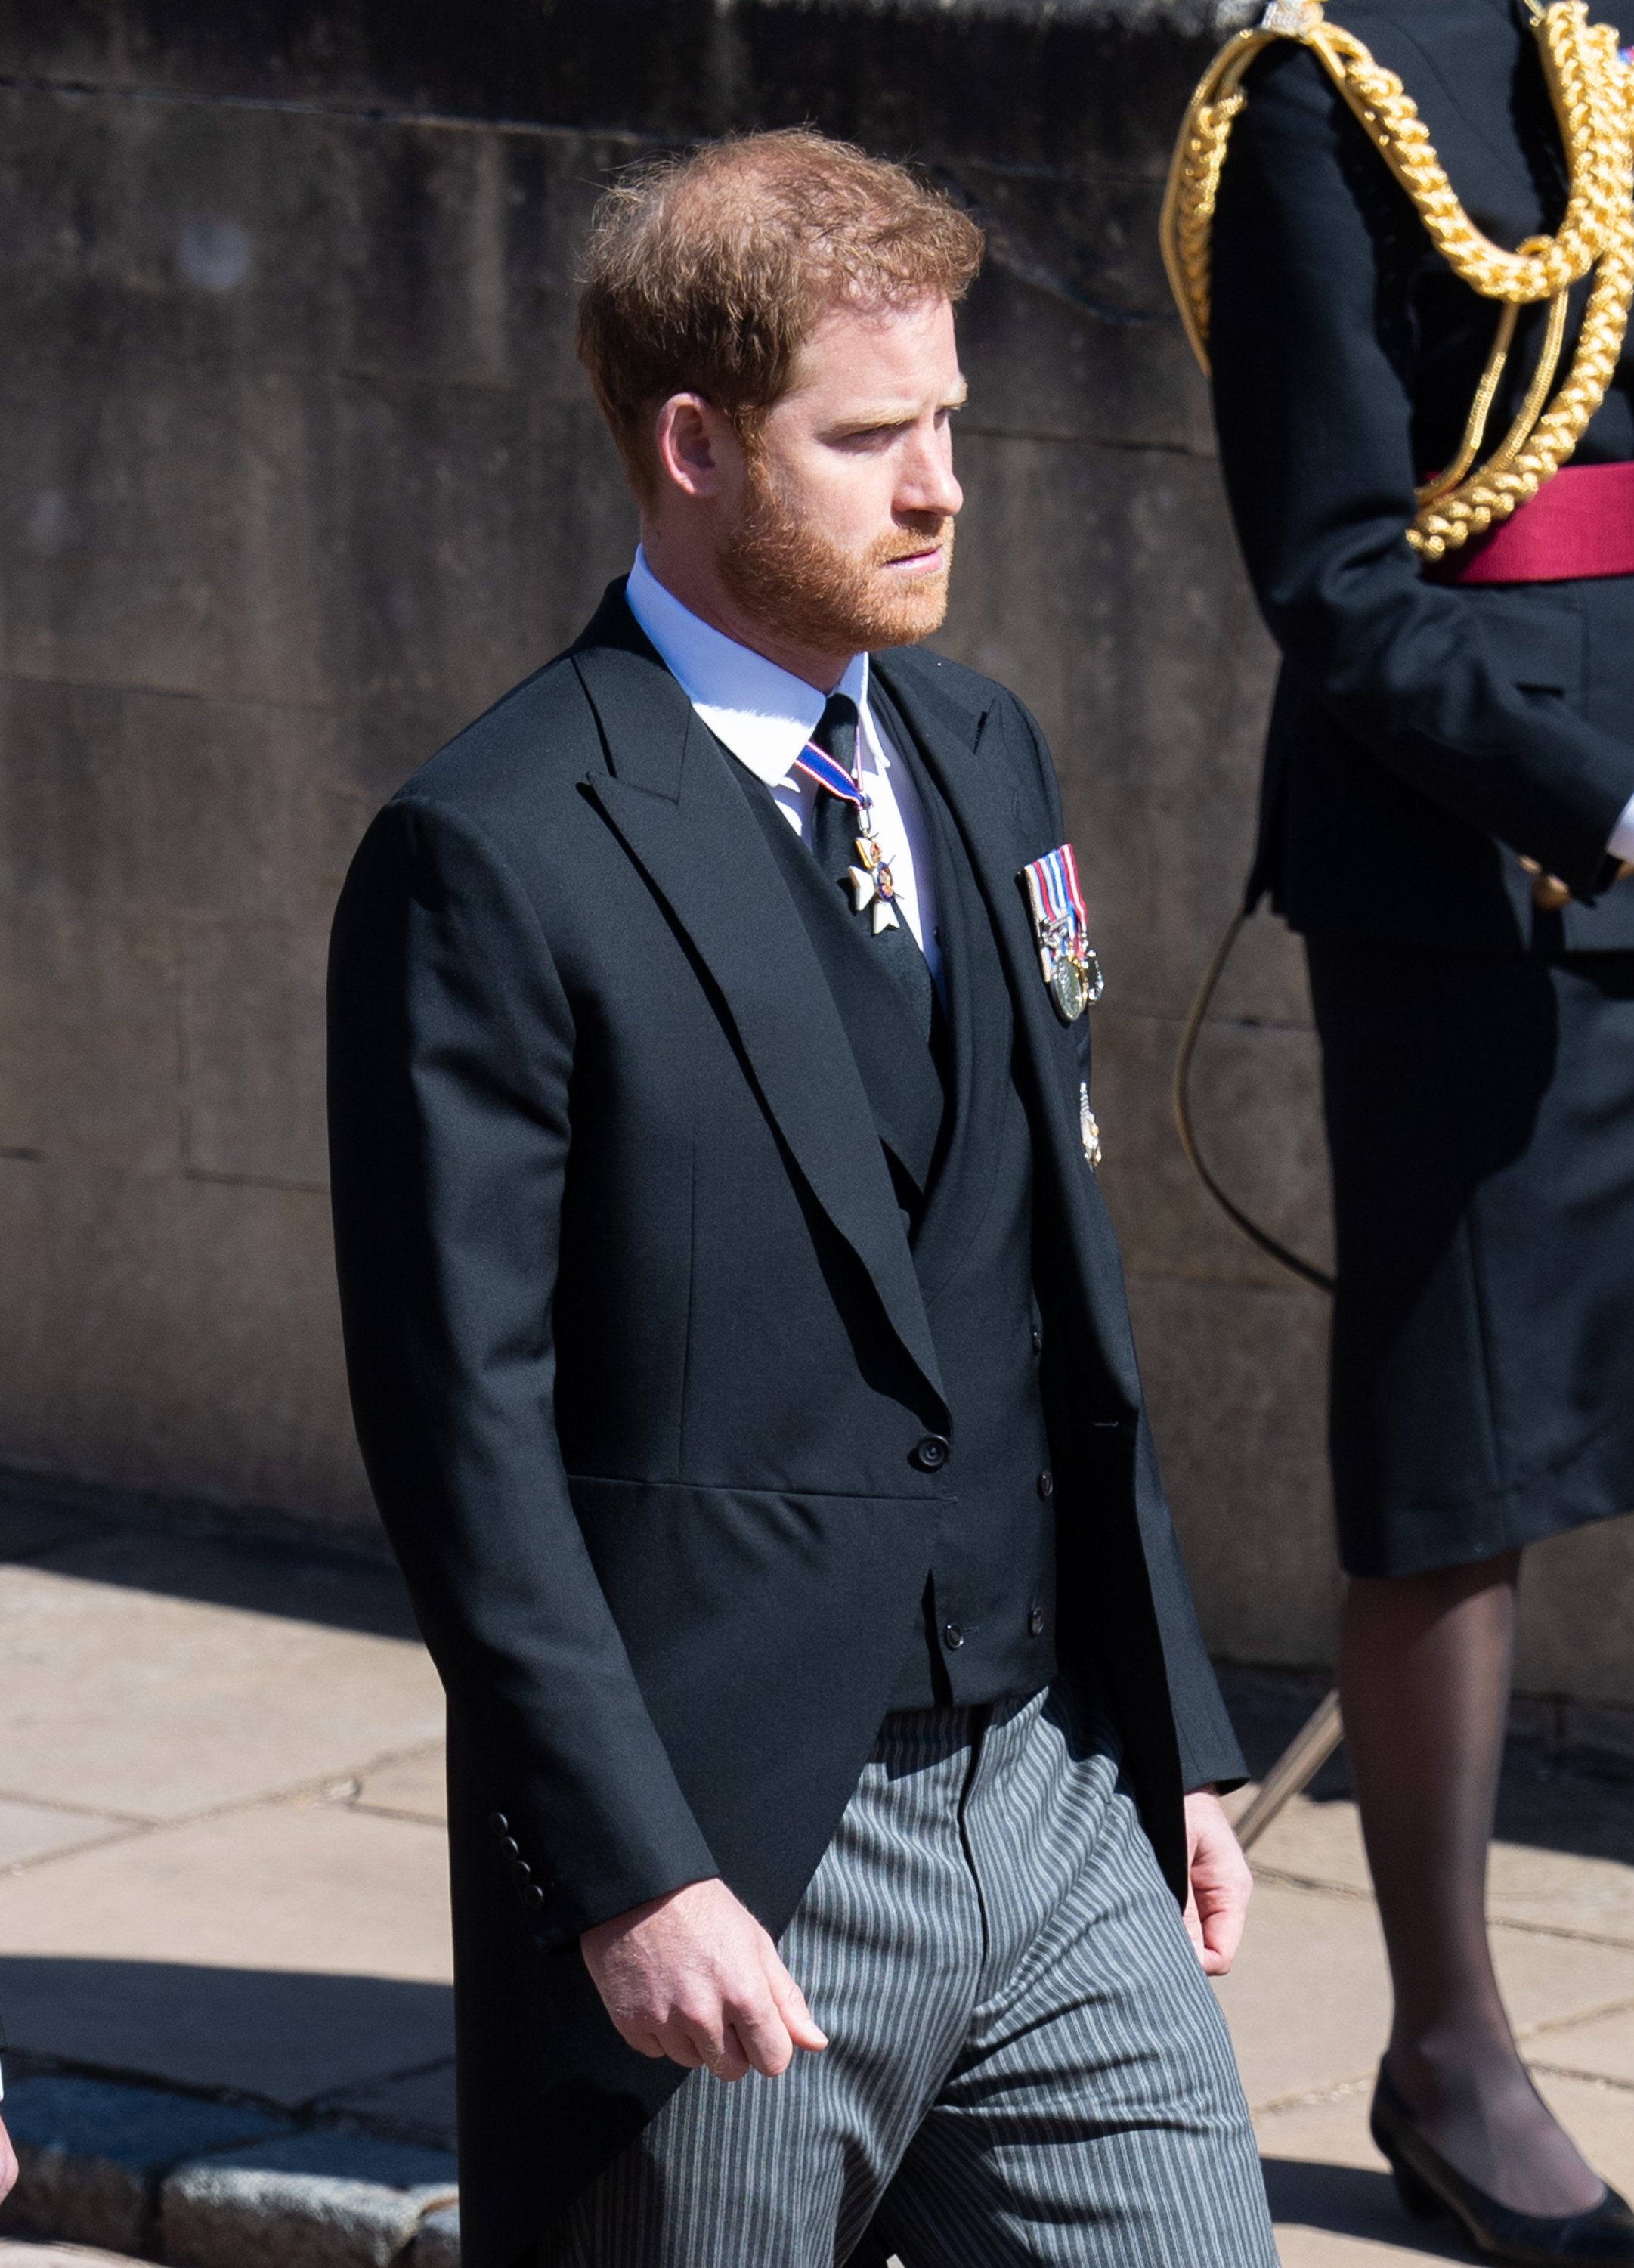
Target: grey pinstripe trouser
(1026,2062)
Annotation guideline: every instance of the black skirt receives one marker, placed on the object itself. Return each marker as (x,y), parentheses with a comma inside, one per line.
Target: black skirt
(1480,1114)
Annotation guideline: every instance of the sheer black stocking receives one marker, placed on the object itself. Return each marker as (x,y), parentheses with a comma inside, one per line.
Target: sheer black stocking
(1425,1665)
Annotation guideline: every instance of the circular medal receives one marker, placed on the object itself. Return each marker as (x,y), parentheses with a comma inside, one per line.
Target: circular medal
(1069,989)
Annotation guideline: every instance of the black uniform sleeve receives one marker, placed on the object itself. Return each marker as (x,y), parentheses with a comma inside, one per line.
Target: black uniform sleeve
(450,1049)
(1315,419)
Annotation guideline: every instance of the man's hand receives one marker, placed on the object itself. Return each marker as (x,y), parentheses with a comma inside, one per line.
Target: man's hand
(694,1977)
(1217,1905)
(7,2161)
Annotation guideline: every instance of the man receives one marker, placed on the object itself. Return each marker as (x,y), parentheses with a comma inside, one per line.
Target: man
(740,1359)
(1448,797)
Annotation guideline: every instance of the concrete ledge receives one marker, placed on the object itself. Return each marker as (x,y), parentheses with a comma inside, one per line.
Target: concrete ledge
(438,2244)
(143,2172)
(92,2153)
(24,2253)
(319,2199)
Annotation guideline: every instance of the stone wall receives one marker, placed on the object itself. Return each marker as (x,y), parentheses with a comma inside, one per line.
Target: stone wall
(300,474)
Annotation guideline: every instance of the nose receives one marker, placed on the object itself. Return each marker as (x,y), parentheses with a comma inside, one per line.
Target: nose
(928,484)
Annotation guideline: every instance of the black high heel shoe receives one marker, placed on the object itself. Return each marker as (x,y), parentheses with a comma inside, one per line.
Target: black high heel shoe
(1429,2187)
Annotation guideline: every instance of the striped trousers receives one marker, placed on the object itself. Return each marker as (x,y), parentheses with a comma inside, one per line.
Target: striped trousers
(1026,2062)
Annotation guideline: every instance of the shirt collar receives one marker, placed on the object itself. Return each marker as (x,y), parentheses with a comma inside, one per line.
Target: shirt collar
(761,713)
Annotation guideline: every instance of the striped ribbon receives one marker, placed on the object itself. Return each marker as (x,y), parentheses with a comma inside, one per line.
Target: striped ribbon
(817,764)
(1057,901)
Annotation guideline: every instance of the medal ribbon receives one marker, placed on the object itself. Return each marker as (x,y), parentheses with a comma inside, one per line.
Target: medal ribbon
(873,879)
(817,764)
(1059,911)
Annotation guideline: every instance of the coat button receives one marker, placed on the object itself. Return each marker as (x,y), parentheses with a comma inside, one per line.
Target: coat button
(1046,1485)
(500,1825)
(534,1896)
(931,1454)
(1035,1623)
(521,1874)
(952,1637)
(1038,1342)
(509,1844)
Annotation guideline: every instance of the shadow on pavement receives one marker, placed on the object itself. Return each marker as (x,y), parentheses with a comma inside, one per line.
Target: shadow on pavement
(1551,1808)
(103,1537)
(1352,2201)
(288,2038)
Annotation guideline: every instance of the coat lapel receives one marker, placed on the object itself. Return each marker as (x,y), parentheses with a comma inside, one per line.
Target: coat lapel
(687,825)
(982,781)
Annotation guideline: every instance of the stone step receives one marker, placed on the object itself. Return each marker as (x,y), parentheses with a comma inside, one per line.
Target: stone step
(146,2172)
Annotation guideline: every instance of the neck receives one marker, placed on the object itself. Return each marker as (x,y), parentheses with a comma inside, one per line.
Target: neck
(695,579)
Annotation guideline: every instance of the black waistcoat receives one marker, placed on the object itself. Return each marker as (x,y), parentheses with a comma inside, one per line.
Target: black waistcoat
(959,1145)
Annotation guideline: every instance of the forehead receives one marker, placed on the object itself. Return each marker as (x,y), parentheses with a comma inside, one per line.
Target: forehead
(898,352)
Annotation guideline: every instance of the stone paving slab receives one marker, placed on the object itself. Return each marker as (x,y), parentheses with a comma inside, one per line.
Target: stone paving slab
(109,1688)
(1322,1843)
(1308,2002)
(288,1950)
(36,1830)
(415,1787)
(305,1885)
(1602,2048)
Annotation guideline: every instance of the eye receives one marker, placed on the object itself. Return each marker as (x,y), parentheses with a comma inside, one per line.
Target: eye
(872,436)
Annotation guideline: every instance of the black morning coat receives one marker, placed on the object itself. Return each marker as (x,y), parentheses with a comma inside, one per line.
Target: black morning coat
(1423,735)
(640,1363)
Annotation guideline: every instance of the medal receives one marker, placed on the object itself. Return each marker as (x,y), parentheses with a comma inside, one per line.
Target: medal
(1089,1132)
(1068,988)
(1070,969)
(872,881)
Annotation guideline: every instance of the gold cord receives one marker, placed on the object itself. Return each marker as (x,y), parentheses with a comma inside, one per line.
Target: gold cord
(1480,411)
(1592,94)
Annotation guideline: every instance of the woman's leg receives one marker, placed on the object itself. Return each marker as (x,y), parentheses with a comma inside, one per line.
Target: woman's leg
(1425,1667)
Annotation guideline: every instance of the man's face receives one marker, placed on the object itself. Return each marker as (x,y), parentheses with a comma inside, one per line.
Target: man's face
(845,535)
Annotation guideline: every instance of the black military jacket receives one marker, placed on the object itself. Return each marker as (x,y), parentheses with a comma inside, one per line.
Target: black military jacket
(641,1365)
(1423,735)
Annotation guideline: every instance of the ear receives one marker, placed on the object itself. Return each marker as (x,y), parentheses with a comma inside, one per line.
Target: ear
(697,451)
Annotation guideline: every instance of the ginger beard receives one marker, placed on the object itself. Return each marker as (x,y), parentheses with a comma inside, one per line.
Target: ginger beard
(792,578)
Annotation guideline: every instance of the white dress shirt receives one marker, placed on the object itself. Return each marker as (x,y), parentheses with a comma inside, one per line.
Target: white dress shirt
(766,717)
(1622,843)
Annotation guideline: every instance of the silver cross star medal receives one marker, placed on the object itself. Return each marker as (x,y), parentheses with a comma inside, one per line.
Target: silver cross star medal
(871,881)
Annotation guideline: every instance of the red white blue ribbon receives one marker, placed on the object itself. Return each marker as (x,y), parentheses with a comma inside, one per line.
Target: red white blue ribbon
(1052,885)
(1059,915)
(817,764)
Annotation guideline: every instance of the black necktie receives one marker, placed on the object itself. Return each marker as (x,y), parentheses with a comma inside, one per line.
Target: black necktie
(836,823)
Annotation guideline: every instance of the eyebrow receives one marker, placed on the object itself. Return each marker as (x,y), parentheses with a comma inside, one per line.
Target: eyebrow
(883,415)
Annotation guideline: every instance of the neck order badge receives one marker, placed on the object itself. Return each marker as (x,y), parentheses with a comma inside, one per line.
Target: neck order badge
(1071,970)
(872,880)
